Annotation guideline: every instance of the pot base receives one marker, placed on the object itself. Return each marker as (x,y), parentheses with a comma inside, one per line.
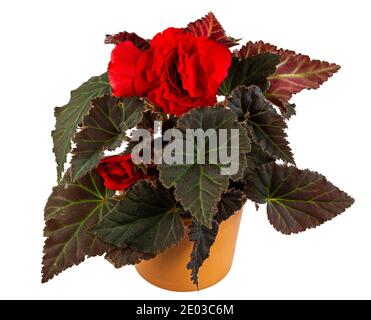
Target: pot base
(168,270)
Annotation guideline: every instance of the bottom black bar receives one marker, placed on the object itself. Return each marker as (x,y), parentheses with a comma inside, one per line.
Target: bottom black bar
(175,309)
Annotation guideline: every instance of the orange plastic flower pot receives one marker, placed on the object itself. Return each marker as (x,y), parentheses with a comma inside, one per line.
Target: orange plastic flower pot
(169,270)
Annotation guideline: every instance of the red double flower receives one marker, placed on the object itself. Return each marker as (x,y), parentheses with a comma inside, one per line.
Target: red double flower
(177,73)
(118,172)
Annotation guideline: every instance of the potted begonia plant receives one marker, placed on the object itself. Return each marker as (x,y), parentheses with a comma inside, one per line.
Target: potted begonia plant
(203,129)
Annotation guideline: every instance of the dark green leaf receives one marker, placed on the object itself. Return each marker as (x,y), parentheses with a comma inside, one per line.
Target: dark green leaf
(104,129)
(203,238)
(70,211)
(121,257)
(296,199)
(256,157)
(70,116)
(133,109)
(266,126)
(145,220)
(250,71)
(289,110)
(199,186)
(232,200)
(149,117)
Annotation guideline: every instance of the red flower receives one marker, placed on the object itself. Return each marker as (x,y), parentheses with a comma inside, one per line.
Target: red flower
(118,172)
(177,73)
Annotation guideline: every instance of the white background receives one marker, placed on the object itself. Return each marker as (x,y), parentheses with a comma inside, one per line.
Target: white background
(50,47)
